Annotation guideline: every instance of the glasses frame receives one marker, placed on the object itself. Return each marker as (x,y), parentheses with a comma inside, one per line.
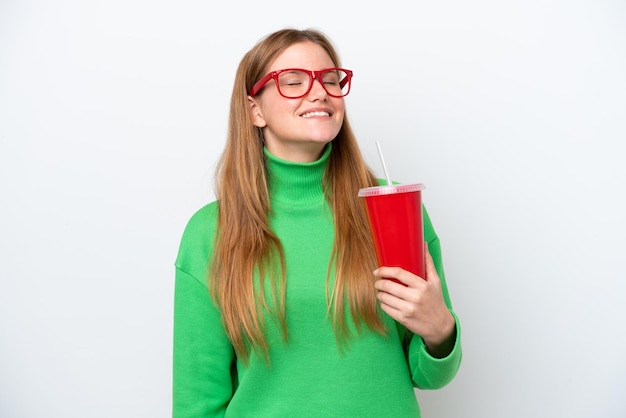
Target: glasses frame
(313,75)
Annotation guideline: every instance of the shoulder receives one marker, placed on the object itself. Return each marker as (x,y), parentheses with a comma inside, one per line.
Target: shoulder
(196,243)
(203,220)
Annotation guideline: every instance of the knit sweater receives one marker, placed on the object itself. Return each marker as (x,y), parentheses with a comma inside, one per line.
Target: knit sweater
(308,374)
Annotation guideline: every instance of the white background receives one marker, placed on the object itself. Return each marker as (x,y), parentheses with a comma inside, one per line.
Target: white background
(513,113)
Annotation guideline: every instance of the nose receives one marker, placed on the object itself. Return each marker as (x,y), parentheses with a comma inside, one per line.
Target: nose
(317,89)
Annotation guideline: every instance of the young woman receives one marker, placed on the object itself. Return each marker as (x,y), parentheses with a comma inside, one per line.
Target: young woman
(279,306)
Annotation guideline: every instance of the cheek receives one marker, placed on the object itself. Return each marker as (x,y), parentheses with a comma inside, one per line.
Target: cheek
(340,112)
(339,105)
(279,110)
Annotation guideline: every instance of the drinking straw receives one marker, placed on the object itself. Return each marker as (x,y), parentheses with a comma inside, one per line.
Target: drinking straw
(382,160)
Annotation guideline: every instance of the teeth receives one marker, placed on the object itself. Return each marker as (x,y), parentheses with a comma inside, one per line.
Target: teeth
(311,114)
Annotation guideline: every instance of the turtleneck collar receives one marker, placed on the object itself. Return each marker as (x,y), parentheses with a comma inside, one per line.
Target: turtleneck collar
(296,183)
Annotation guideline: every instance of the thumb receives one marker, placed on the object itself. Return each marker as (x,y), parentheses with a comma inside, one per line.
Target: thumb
(431,271)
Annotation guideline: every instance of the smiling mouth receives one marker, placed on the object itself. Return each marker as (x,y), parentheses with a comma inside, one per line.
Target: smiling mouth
(312,114)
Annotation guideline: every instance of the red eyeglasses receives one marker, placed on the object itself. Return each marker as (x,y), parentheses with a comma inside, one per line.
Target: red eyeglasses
(293,83)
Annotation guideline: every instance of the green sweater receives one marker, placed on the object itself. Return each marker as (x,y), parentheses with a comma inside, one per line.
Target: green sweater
(308,376)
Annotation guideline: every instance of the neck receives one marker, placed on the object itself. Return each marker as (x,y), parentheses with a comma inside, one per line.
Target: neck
(297,182)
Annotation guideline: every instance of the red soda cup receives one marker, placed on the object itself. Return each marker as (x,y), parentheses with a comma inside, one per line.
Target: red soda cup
(396,222)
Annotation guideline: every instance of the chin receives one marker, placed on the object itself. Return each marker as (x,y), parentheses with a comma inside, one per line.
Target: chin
(323,137)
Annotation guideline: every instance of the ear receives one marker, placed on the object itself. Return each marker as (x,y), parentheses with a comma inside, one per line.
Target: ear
(255,113)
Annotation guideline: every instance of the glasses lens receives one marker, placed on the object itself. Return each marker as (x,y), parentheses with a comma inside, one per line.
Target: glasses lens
(293,83)
(336,81)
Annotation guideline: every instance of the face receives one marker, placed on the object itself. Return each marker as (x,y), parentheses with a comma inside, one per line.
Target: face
(298,129)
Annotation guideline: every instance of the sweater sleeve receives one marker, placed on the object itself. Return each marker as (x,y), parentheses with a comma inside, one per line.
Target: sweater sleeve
(202,382)
(203,356)
(427,371)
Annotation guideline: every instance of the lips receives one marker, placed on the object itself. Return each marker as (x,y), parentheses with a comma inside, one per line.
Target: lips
(313,114)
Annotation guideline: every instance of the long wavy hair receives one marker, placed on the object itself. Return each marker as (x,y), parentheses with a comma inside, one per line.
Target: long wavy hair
(246,247)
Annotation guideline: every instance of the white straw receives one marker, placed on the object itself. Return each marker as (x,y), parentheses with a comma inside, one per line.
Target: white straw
(382,160)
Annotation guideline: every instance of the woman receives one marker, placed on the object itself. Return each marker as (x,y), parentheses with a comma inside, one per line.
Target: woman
(279,311)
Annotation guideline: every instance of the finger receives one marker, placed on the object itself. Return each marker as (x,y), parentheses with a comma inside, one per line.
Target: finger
(389,284)
(398,296)
(392,312)
(397,275)
(398,308)
(390,300)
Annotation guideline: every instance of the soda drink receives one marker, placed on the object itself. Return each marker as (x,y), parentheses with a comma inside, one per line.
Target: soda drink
(395,217)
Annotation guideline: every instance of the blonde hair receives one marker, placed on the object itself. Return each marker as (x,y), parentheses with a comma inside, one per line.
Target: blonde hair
(245,245)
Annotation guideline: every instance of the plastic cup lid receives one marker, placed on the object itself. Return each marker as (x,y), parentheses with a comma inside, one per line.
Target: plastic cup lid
(390,189)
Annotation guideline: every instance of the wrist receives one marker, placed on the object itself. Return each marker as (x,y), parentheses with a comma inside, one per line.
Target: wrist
(441,344)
